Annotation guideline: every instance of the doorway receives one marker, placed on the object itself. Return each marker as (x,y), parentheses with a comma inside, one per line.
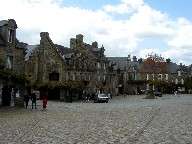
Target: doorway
(6,95)
(54,94)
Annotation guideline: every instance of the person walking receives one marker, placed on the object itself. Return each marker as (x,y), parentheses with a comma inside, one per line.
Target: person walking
(175,92)
(26,99)
(44,104)
(33,98)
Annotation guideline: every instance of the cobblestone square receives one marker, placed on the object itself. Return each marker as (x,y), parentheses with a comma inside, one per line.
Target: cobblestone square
(129,120)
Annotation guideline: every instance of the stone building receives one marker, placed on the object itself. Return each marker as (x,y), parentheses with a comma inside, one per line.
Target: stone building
(83,69)
(73,73)
(152,73)
(12,54)
(62,73)
(88,63)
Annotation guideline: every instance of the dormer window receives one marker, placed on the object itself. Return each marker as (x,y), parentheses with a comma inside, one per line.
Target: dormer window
(10,35)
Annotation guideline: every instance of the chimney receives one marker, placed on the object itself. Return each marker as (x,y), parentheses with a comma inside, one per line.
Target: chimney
(168,61)
(79,38)
(134,58)
(72,43)
(95,44)
(140,60)
(44,34)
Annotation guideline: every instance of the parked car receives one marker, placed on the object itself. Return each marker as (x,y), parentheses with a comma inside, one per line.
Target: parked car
(141,92)
(158,94)
(101,98)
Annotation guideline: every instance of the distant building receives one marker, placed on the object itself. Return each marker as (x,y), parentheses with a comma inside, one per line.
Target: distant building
(148,74)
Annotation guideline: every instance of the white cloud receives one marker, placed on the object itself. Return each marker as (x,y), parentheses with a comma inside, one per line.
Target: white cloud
(125,6)
(182,34)
(119,37)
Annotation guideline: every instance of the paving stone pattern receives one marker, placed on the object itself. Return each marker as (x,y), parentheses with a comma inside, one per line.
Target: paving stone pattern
(129,120)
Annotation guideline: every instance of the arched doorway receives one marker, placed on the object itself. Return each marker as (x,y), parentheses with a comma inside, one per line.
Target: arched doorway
(6,95)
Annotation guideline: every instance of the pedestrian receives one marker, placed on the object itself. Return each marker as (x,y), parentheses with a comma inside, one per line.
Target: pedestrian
(109,95)
(26,99)
(33,98)
(44,104)
(175,92)
(71,98)
(124,93)
(88,97)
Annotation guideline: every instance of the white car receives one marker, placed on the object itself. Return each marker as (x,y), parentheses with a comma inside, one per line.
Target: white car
(101,98)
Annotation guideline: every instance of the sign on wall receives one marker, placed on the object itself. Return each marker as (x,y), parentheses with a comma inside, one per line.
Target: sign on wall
(54,76)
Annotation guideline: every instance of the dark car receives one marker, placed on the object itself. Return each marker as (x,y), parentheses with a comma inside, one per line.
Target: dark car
(101,98)
(141,92)
(158,94)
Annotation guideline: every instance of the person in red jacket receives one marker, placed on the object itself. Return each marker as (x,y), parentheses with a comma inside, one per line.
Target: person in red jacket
(44,103)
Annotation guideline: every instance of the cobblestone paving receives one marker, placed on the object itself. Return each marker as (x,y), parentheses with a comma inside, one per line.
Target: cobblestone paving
(129,120)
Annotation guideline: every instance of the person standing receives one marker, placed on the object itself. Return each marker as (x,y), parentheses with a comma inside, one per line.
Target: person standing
(33,98)
(26,99)
(44,103)
(175,92)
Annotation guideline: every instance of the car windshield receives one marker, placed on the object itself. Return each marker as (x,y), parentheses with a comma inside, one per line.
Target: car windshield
(102,95)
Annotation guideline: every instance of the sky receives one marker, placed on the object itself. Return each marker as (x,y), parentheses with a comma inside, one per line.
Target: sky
(123,27)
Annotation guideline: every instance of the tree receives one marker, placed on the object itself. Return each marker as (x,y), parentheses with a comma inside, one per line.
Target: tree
(189,82)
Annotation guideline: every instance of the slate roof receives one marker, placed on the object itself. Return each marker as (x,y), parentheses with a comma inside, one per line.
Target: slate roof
(30,49)
(147,66)
(121,63)
(19,44)
(69,52)
(2,41)
(64,51)
(3,22)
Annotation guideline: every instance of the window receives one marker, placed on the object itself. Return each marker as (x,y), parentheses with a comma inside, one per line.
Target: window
(10,35)
(104,78)
(166,76)
(9,63)
(147,77)
(179,73)
(67,76)
(85,77)
(98,65)
(147,86)
(74,77)
(135,76)
(160,77)
(98,78)
(104,67)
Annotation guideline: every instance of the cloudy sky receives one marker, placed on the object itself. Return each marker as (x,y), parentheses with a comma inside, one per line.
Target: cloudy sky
(135,27)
